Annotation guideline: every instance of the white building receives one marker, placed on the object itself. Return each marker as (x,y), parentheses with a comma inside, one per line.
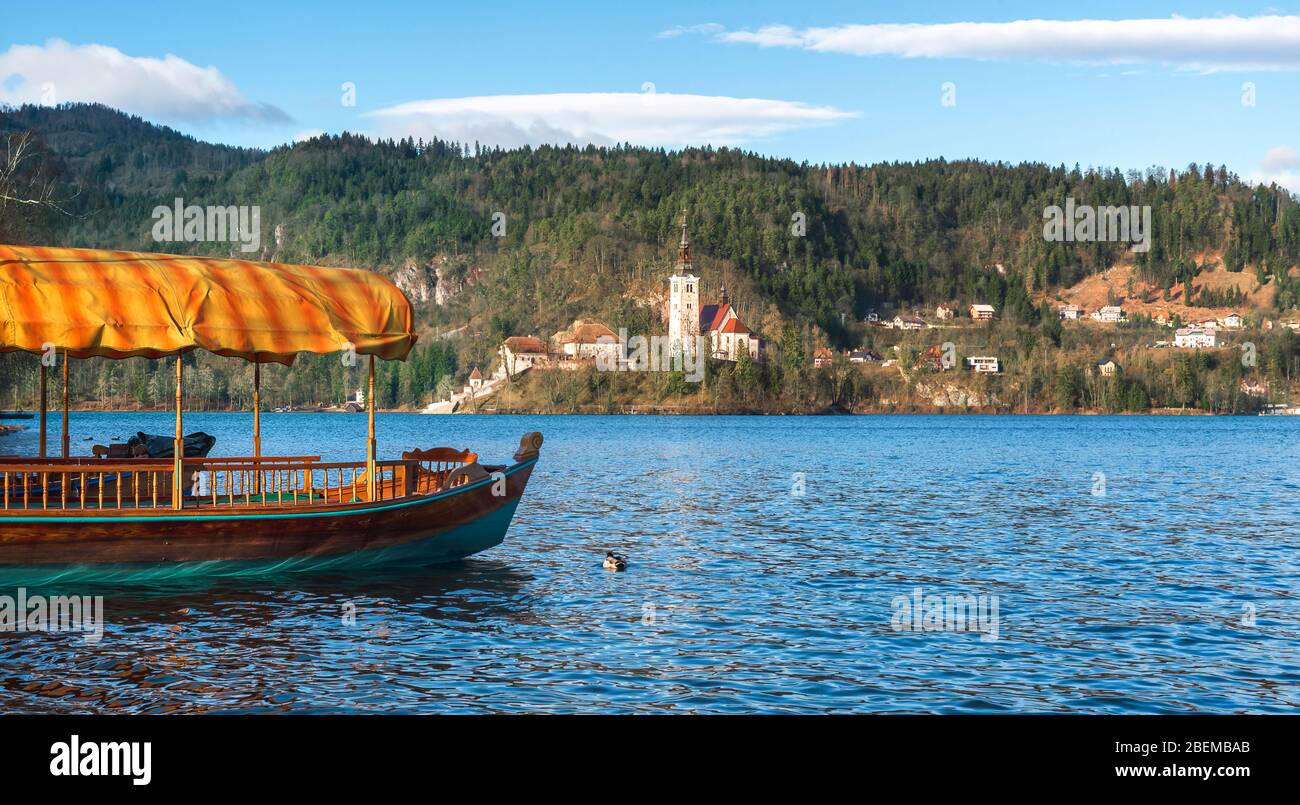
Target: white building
(589,340)
(980,312)
(1253,388)
(520,352)
(1069,312)
(909,323)
(983,364)
(944,312)
(1232,321)
(728,336)
(1195,338)
(1110,313)
(1106,368)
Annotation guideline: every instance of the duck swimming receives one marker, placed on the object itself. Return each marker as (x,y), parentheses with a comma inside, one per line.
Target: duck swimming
(614,561)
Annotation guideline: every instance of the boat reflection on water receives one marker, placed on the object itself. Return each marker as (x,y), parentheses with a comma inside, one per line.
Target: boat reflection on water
(371,630)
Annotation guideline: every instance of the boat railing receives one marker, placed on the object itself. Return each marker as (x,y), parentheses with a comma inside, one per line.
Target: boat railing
(63,484)
(79,484)
(269,482)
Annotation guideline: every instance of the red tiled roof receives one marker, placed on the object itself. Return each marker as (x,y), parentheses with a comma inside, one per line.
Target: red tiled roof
(525,343)
(711,317)
(589,332)
(734,326)
(476,374)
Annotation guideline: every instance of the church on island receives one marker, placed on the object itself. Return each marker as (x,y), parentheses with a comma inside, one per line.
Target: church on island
(727,335)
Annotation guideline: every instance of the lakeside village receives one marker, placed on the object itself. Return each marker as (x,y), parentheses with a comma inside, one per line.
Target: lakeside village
(1132,353)
(716,329)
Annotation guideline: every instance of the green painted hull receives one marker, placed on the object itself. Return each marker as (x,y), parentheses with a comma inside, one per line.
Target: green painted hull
(449,546)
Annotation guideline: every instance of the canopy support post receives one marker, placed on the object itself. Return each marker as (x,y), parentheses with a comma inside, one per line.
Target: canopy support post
(178,460)
(45,385)
(257,426)
(66,439)
(371,486)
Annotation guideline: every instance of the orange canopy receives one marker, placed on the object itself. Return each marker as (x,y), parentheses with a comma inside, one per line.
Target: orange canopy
(128,304)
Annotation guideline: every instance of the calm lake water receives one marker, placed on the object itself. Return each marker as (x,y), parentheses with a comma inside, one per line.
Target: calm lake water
(1140,565)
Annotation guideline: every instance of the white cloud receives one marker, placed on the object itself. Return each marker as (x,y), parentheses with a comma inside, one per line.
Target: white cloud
(1280,158)
(1281,166)
(1218,43)
(169,89)
(307,134)
(602,118)
(702,28)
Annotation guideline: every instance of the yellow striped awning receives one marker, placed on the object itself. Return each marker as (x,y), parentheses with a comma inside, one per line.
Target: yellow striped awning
(113,304)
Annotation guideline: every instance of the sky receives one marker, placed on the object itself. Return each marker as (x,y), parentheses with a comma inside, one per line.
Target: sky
(1108,84)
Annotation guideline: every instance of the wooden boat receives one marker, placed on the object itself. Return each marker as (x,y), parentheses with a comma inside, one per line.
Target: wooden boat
(144,518)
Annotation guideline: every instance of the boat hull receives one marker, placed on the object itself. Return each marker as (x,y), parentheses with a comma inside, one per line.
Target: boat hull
(416,531)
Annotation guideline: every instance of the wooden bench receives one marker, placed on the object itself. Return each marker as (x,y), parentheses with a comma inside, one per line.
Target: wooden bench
(432,466)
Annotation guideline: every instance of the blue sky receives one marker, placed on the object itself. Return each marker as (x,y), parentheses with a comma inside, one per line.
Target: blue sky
(1128,94)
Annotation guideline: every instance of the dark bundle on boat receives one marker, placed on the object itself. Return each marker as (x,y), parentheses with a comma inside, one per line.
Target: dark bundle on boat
(197,445)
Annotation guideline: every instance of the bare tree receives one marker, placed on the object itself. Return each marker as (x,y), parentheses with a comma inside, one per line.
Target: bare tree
(25,181)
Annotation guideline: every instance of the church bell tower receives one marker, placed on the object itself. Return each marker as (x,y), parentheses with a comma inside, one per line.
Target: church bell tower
(684,298)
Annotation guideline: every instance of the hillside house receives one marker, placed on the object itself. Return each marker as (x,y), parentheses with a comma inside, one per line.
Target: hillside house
(932,358)
(909,323)
(983,364)
(1232,321)
(822,357)
(944,313)
(980,312)
(864,356)
(588,340)
(1104,368)
(1253,388)
(522,352)
(1195,338)
(1069,312)
(1110,314)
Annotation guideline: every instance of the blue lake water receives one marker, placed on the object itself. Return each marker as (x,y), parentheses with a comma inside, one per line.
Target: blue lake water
(1140,565)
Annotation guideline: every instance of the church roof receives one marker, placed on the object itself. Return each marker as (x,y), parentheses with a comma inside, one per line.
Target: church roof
(712,316)
(476,374)
(734,326)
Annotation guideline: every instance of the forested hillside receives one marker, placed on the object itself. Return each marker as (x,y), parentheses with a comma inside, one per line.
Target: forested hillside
(590,231)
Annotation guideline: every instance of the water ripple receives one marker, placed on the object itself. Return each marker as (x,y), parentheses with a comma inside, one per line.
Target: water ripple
(1141,565)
